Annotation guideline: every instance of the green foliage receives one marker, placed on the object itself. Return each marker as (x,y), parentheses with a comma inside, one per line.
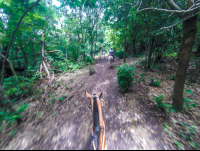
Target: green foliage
(67,65)
(89,60)
(163,106)
(10,117)
(179,145)
(159,100)
(15,90)
(174,55)
(125,77)
(142,77)
(133,120)
(62,97)
(170,77)
(189,92)
(188,132)
(119,54)
(155,82)
(155,66)
(188,103)
(73,51)
(51,97)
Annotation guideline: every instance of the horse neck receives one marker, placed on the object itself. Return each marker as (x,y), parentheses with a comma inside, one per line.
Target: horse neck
(97,114)
(97,123)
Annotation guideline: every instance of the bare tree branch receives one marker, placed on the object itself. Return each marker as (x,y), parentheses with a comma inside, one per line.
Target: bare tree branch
(173,5)
(180,21)
(171,11)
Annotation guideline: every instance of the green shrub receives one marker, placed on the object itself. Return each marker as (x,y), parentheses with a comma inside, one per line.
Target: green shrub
(62,97)
(163,106)
(67,65)
(10,117)
(15,90)
(125,77)
(73,50)
(61,65)
(155,82)
(119,54)
(159,100)
(89,60)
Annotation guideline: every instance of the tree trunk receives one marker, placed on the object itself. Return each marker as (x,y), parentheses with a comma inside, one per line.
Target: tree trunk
(145,49)
(78,38)
(91,45)
(150,44)
(24,54)
(70,38)
(66,53)
(125,48)
(125,41)
(134,49)
(189,33)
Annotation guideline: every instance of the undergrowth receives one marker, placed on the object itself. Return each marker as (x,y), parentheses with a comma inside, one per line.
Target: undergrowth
(125,77)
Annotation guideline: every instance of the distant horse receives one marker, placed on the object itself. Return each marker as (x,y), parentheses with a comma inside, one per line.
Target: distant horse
(103,54)
(97,140)
(110,60)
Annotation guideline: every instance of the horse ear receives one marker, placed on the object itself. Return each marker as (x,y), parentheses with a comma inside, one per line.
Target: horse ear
(88,95)
(100,95)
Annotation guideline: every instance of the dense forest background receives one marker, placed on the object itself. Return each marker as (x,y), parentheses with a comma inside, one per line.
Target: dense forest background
(39,40)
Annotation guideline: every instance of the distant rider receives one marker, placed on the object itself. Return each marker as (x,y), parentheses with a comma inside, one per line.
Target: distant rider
(111,53)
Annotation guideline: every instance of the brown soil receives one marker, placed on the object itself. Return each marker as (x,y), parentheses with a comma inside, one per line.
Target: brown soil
(130,122)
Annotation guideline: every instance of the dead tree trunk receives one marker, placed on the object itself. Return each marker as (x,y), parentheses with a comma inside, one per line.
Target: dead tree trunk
(43,64)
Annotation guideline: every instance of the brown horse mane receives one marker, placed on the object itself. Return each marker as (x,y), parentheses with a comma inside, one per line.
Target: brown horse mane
(97,129)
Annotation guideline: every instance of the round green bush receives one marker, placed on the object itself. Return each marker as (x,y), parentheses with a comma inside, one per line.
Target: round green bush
(125,77)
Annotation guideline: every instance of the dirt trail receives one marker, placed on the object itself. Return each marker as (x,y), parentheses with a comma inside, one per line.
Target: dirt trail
(130,123)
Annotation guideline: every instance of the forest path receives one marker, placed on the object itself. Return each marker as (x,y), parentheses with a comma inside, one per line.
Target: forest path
(129,122)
